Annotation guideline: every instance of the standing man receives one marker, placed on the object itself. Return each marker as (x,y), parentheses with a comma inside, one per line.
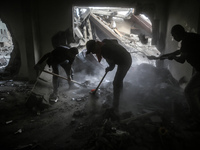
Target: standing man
(190,52)
(114,54)
(63,56)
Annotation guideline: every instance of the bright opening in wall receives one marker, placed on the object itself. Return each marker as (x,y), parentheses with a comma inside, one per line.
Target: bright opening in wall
(6,45)
(132,31)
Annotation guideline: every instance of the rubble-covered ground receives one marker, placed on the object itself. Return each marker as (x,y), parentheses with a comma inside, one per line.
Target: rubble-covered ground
(153,116)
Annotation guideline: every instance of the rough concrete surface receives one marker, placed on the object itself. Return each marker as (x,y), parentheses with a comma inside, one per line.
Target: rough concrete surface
(153,115)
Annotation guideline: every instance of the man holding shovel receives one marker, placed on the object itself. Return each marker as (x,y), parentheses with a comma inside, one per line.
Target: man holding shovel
(190,52)
(63,56)
(114,54)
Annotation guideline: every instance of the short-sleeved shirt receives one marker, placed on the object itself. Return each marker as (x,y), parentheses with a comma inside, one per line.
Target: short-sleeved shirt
(114,52)
(191,46)
(61,54)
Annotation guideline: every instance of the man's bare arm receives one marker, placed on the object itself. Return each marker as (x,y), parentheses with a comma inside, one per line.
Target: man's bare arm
(169,55)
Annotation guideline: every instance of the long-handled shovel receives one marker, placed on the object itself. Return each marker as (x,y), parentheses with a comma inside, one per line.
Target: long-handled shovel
(160,57)
(93,91)
(63,77)
(153,57)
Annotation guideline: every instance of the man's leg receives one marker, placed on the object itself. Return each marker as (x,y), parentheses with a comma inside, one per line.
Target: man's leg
(54,95)
(67,67)
(192,91)
(118,84)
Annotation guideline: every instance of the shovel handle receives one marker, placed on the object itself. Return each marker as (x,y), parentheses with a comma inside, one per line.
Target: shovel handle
(153,57)
(100,82)
(156,58)
(62,77)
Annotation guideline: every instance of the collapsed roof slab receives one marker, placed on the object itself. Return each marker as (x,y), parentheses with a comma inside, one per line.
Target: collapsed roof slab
(105,29)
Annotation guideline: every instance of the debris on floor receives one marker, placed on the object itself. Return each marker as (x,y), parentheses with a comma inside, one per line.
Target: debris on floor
(153,114)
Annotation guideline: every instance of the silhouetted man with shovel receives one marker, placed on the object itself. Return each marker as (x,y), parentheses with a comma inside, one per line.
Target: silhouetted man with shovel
(114,54)
(190,52)
(63,56)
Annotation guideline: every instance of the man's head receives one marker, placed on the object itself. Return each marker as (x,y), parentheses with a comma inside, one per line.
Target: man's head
(69,35)
(62,38)
(73,52)
(90,46)
(58,39)
(178,32)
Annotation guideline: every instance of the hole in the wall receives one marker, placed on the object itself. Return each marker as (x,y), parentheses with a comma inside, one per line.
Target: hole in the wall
(6,45)
(121,19)
(10,60)
(132,31)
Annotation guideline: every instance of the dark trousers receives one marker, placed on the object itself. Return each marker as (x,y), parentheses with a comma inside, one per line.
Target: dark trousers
(192,93)
(66,66)
(118,83)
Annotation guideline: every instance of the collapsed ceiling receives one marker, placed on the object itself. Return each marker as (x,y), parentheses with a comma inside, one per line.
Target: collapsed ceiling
(134,32)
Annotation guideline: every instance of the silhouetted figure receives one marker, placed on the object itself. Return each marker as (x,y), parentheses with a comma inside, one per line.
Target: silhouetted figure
(190,52)
(114,54)
(63,56)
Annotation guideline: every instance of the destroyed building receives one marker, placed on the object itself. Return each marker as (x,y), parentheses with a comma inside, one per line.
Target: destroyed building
(153,107)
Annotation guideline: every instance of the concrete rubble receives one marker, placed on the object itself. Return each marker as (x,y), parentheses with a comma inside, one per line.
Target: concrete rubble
(133,32)
(153,115)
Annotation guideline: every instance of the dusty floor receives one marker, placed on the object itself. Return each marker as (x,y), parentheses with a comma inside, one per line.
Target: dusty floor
(151,118)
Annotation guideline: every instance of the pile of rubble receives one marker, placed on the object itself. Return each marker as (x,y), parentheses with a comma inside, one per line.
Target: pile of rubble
(158,117)
(149,131)
(153,115)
